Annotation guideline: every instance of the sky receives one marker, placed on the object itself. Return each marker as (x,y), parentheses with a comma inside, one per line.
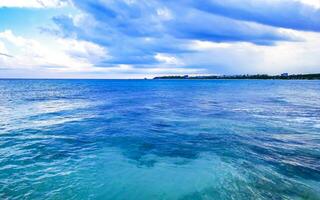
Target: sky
(147,38)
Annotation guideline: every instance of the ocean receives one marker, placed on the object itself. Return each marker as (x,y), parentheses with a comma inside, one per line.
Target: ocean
(159,139)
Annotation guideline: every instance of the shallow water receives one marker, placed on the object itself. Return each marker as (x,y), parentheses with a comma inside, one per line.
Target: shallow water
(159,139)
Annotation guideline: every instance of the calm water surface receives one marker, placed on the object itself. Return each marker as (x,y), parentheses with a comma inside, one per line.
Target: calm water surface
(164,139)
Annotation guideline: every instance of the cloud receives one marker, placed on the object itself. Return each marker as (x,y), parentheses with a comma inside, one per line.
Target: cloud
(160,18)
(83,50)
(204,26)
(131,37)
(242,58)
(34,3)
(134,32)
(292,14)
(167,59)
(61,54)
(68,57)
(314,3)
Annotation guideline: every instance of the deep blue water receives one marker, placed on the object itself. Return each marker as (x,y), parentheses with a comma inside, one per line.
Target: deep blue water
(159,139)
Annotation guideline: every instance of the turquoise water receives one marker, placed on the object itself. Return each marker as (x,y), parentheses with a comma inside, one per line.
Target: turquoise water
(159,139)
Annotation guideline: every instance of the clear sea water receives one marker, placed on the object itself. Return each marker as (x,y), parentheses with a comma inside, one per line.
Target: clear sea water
(159,139)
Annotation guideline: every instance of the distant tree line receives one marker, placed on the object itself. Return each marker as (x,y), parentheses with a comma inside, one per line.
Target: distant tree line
(257,76)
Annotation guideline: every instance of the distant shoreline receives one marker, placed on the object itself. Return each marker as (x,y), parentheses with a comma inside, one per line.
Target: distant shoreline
(245,77)
(207,77)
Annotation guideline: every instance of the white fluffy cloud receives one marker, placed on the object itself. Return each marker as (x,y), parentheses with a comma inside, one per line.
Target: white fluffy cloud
(57,53)
(239,58)
(61,57)
(314,3)
(167,59)
(34,3)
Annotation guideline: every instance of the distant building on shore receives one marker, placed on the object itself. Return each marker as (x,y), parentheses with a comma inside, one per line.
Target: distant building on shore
(284,75)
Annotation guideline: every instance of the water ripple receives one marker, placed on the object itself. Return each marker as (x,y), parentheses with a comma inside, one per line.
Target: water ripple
(131,139)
